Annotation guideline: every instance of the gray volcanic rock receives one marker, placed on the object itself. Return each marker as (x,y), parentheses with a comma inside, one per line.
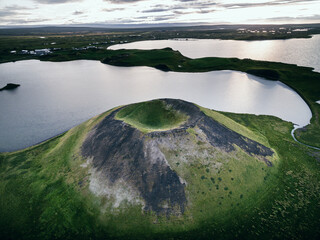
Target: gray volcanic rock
(123,154)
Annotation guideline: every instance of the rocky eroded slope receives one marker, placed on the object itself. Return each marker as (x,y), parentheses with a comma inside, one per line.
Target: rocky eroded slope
(141,165)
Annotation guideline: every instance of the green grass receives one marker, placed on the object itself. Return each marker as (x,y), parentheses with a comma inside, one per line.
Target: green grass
(40,193)
(296,191)
(233,125)
(44,190)
(216,182)
(151,116)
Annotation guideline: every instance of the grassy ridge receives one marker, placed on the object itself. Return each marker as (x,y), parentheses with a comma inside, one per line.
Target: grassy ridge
(233,125)
(40,186)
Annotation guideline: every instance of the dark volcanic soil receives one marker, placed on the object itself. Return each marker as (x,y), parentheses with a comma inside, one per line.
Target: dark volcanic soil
(121,152)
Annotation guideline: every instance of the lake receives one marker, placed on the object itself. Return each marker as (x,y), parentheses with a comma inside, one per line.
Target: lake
(303,52)
(53,97)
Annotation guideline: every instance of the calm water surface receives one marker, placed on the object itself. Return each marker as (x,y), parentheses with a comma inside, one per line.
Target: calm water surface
(54,97)
(303,52)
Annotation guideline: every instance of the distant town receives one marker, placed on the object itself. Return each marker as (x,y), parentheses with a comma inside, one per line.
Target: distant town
(39,52)
(66,42)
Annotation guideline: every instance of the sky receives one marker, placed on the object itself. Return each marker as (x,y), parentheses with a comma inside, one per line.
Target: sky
(67,12)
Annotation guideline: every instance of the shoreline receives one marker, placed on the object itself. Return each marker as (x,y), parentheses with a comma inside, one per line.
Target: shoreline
(151,58)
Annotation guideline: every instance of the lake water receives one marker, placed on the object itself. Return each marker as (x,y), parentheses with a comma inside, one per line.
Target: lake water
(303,52)
(54,97)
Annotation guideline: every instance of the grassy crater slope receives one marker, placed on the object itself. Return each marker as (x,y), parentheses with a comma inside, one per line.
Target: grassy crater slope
(50,191)
(156,169)
(151,116)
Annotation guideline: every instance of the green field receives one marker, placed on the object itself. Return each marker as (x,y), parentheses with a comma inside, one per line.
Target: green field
(44,192)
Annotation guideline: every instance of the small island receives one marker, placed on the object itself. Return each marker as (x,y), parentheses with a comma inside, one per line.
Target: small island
(10,86)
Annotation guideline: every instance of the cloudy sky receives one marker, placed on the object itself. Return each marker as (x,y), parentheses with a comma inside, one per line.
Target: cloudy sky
(51,12)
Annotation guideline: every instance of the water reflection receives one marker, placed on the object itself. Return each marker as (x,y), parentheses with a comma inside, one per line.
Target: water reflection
(303,52)
(54,97)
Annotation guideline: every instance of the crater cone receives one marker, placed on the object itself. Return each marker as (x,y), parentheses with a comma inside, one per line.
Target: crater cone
(162,153)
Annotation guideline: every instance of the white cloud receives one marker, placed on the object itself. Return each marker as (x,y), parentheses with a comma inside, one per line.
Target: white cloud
(155,11)
(56,1)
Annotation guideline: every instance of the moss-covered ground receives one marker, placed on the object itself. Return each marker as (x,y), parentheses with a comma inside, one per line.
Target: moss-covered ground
(151,116)
(44,191)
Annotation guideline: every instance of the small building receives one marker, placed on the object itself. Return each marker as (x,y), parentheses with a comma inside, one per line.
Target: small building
(42,52)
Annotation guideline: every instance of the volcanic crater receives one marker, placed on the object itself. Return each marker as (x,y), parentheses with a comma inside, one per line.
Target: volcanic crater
(129,151)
